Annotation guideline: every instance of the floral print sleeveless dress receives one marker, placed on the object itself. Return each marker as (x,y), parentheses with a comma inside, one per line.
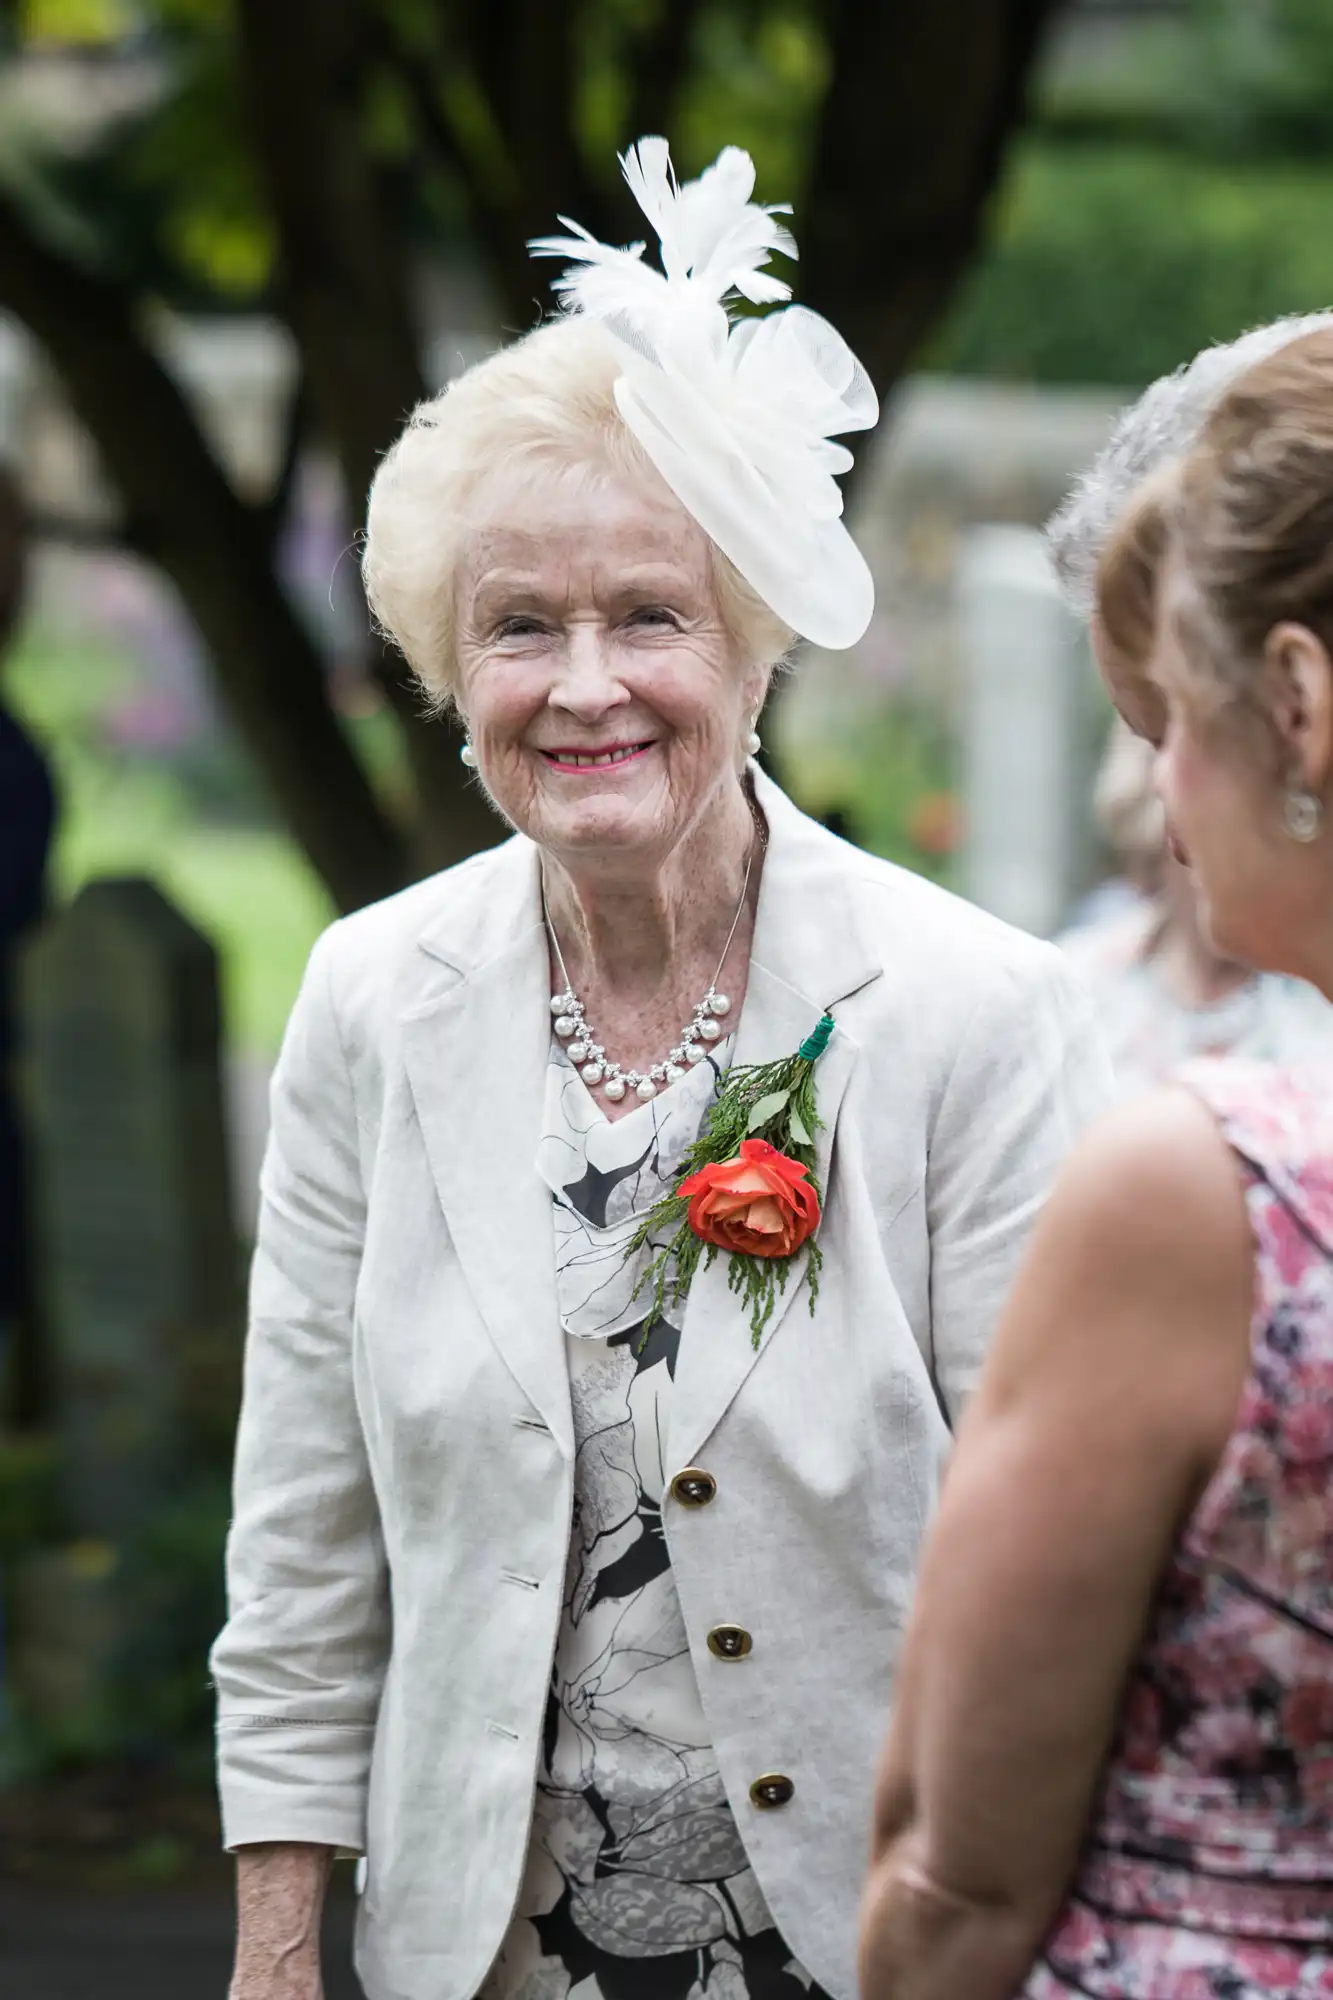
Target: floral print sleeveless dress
(1209,1871)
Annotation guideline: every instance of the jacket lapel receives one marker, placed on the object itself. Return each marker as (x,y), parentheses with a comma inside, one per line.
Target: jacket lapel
(809,953)
(476,1047)
(476,1051)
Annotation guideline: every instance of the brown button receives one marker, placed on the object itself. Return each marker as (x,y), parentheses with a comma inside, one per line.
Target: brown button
(729,1642)
(693,1487)
(773,1789)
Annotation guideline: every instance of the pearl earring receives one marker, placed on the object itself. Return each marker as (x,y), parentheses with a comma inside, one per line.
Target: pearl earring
(469,756)
(754,743)
(1302,815)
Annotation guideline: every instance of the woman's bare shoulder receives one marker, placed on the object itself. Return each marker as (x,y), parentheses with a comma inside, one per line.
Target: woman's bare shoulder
(1139,1286)
(1155,1178)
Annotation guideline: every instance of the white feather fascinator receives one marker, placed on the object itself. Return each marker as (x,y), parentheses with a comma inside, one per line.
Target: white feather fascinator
(739,417)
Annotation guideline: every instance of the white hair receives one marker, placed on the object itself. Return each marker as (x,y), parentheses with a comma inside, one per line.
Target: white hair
(1162,424)
(549,399)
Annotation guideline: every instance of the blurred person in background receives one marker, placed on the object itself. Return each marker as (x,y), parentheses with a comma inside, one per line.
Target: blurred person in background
(27,823)
(577,1621)
(1163,991)
(1131,827)
(1110,1771)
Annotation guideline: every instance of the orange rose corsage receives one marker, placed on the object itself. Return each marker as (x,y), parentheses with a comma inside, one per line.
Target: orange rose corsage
(749,1189)
(762,1203)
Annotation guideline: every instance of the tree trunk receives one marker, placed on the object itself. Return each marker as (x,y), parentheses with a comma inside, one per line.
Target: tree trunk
(345,291)
(184,515)
(923,101)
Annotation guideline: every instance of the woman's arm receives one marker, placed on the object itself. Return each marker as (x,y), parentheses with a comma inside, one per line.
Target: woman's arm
(1109,1395)
(300,1663)
(279,1904)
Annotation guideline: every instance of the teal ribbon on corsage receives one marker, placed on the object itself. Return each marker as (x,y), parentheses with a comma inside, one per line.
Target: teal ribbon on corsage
(747,1188)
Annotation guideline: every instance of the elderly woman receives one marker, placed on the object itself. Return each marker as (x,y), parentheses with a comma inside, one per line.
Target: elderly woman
(1109,1770)
(639,1199)
(1163,990)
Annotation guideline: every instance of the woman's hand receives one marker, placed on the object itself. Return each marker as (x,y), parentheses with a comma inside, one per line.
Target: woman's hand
(1108,1397)
(279,1903)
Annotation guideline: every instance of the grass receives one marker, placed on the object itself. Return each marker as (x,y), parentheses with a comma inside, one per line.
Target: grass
(245,885)
(254,894)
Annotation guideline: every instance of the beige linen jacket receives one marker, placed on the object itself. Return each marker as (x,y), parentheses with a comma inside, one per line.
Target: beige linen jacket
(405,1463)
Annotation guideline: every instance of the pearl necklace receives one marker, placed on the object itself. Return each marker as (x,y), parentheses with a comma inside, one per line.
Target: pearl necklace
(600,1071)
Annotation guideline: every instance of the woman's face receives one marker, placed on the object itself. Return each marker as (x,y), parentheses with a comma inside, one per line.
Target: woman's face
(598,680)
(1257,891)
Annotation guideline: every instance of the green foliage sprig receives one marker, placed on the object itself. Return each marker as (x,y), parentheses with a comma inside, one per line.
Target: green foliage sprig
(775,1101)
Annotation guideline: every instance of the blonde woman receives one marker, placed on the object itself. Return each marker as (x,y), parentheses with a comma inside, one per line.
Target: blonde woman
(1110,1771)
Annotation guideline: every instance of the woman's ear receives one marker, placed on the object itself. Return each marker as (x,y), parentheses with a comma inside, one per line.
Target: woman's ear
(758,681)
(1299,675)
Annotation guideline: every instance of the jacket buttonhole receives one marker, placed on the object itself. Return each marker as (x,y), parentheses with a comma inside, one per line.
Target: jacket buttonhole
(498,1729)
(524,1582)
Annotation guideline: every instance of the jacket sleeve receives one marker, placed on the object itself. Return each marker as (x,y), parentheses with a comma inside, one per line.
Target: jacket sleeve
(300,1663)
(1030,1073)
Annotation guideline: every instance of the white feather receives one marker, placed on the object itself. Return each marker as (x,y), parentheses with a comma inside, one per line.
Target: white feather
(761,290)
(713,237)
(600,279)
(714,240)
(739,417)
(651,179)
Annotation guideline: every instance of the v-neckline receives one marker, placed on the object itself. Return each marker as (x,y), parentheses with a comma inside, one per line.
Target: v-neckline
(719,1053)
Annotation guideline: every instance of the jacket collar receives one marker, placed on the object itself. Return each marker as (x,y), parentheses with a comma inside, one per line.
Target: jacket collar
(808,931)
(477,1045)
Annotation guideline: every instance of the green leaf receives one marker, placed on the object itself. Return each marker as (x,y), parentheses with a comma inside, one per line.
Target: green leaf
(796,1125)
(85,22)
(766,1108)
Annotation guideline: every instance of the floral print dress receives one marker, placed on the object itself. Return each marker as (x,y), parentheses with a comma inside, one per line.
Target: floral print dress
(1209,1871)
(637,1886)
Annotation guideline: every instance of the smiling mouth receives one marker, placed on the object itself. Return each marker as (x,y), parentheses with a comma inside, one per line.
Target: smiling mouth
(594,760)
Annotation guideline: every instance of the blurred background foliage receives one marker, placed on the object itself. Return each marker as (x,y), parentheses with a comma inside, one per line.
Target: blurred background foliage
(1170,188)
(1170,192)
(1157,199)
(173,184)
(1168,197)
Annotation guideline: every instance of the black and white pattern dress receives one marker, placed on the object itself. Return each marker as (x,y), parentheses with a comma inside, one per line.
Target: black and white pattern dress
(637,1886)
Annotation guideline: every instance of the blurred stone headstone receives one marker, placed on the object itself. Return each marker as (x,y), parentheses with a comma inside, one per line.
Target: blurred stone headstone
(138,1249)
(1027,699)
(67,1629)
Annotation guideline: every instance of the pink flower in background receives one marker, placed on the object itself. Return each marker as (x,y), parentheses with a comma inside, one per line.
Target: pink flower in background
(935,825)
(121,600)
(879,661)
(160,719)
